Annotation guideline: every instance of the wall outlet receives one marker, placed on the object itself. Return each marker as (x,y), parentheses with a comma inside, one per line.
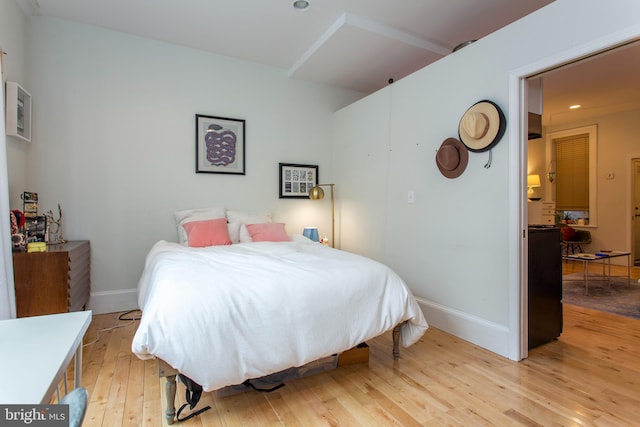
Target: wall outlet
(411,196)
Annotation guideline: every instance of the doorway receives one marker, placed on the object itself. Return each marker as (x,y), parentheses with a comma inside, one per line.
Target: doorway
(560,83)
(635,215)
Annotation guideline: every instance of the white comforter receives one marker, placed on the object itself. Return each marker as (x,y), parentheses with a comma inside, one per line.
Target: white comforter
(224,314)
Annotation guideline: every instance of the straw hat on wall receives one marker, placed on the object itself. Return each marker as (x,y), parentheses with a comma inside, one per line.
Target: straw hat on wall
(482,126)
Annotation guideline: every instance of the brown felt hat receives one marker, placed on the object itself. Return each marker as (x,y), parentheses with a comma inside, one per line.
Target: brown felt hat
(452,158)
(482,126)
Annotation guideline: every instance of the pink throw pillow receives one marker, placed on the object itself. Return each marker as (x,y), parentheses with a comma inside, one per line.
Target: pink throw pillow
(210,232)
(268,232)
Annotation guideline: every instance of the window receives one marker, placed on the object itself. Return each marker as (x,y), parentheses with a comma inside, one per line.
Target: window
(574,154)
(572,172)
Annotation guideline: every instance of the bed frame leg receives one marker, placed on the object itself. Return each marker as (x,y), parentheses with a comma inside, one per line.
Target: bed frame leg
(165,370)
(170,388)
(396,342)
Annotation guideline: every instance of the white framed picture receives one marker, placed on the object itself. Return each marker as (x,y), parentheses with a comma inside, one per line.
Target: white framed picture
(18,112)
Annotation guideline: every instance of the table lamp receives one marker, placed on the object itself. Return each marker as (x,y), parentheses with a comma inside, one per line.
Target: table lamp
(311,233)
(533,181)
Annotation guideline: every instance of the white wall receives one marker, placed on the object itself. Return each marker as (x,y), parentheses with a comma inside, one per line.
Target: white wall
(13,29)
(114,141)
(7,293)
(12,40)
(453,244)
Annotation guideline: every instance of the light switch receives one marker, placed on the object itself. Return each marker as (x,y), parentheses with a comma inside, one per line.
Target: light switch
(411,196)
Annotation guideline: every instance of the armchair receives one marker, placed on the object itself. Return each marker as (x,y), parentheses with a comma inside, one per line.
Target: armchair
(573,240)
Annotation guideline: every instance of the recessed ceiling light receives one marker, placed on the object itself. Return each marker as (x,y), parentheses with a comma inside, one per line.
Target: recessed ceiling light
(574,106)
(301,5)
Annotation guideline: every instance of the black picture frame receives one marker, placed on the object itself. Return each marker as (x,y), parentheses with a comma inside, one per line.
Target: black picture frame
(297,180)
(220,145)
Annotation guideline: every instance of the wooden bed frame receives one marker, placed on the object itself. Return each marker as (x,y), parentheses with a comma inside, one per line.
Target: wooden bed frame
(168,372)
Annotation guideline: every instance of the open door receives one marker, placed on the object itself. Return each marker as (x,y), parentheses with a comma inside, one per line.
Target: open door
(635,220)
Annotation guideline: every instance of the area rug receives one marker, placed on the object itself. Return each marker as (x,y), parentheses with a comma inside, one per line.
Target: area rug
(615,297)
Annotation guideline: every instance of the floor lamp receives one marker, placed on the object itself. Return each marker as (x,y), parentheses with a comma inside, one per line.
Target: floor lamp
(317,193)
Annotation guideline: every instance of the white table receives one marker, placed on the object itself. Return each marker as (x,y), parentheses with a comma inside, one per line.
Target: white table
(35,352)
(605,257)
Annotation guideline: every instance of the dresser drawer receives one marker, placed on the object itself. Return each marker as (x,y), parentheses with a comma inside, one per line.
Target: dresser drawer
(548,219)
(55,281)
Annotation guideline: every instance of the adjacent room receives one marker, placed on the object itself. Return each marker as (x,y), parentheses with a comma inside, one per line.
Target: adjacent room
(591,102)
(320,212)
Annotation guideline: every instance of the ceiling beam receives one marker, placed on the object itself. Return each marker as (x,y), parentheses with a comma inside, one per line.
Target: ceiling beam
(372,27)
(318,44)
(395,34)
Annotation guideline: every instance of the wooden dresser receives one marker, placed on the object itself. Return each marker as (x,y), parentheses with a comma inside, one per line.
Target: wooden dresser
(56,281)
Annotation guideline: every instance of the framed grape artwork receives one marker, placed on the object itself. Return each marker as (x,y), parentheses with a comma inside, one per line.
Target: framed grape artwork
(220,145)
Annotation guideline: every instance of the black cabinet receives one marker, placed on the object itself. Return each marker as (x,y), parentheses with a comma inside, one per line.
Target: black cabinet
(545,285)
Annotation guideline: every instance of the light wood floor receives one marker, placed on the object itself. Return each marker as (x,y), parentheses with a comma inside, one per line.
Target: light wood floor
(590,376)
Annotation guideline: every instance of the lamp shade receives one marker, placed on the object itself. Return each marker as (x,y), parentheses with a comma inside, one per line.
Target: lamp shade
(316,193)
(311,233)
(533,180)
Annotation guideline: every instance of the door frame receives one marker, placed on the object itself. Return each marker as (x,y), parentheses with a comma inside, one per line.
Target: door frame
(631,224)
(517,190)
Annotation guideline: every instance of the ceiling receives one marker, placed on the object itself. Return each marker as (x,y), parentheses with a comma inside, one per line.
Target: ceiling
(603,84)
(354,44)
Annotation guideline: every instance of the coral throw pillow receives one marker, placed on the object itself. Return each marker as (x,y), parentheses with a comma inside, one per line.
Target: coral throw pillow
(268,232)
(210,232)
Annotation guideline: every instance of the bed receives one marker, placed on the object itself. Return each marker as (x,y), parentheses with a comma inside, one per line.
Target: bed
(223,314)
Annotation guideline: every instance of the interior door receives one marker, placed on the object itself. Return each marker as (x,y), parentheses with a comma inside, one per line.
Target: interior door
(636,211)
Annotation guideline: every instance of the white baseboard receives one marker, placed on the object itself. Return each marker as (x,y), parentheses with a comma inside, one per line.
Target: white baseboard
(489,335)
(113,301)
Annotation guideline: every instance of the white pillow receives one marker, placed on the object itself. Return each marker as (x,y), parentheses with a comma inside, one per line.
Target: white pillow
(237,231)
(189,215)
